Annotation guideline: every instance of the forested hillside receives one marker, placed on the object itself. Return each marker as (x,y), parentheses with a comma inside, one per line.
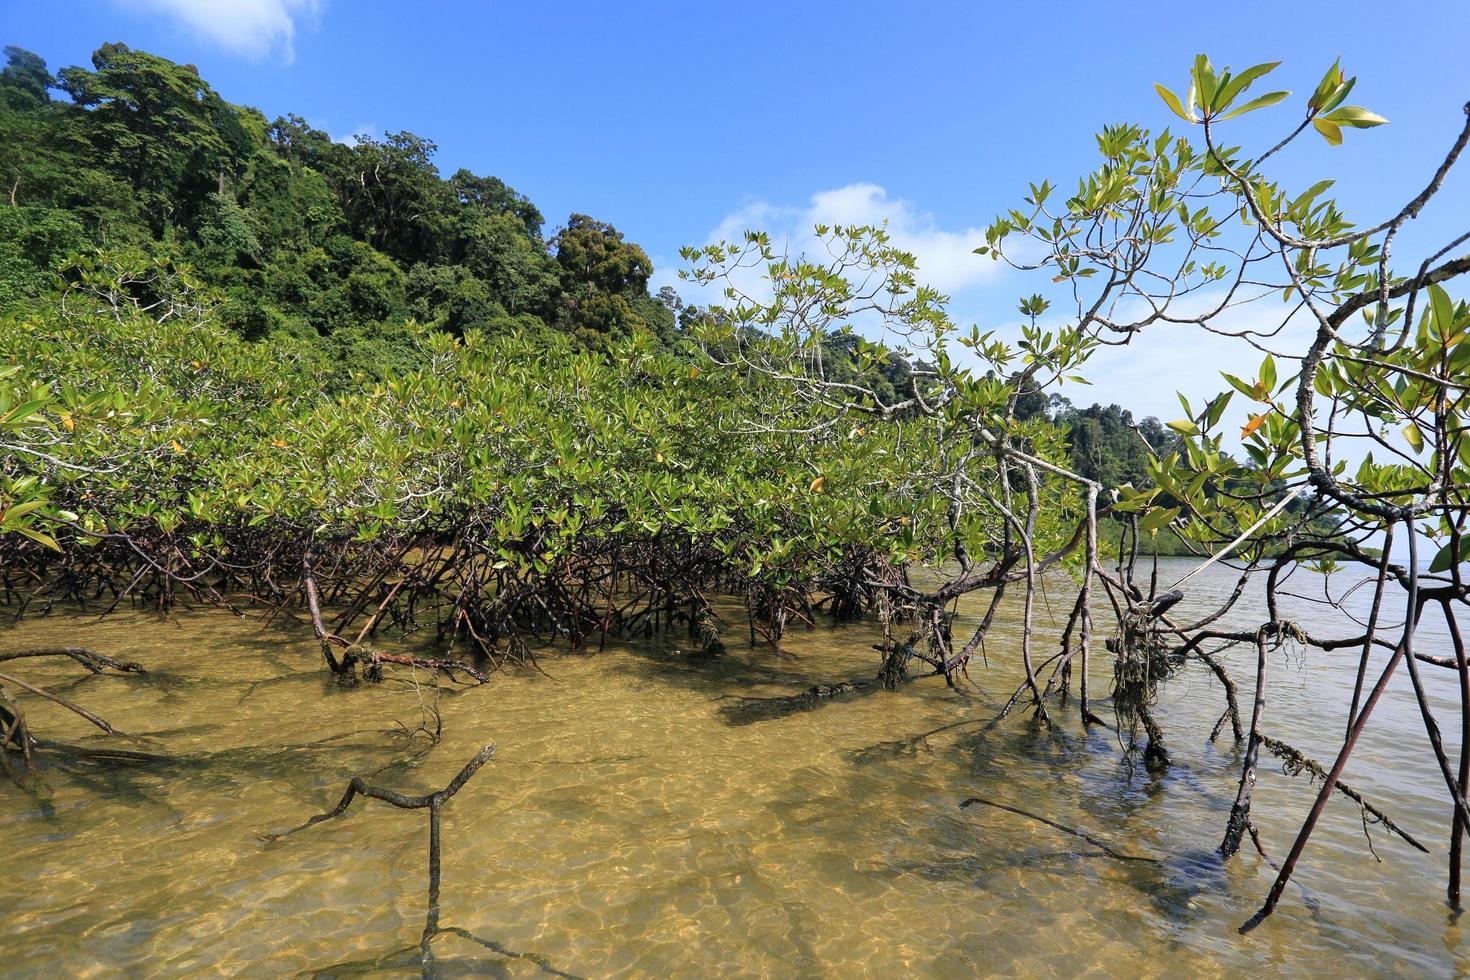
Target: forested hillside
(298,234)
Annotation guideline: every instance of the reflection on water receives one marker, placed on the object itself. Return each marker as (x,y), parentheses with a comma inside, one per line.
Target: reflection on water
(633,821)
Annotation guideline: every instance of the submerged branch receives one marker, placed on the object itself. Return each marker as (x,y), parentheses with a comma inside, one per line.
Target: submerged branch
(1106,848)
(75,709)
(91,659)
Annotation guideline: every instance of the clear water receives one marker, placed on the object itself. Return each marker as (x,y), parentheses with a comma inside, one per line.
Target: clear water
(629,825)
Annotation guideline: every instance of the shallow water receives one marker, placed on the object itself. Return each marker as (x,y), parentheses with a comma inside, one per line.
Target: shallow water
(635,820)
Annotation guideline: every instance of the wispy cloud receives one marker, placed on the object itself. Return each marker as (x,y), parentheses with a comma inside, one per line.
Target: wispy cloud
(350,139)
(253,28)
(945,255)
(1142,376)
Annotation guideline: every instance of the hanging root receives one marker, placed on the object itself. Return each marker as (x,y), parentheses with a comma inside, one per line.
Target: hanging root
(1141,662)
(1294,763)
(894,669)
(1232,704)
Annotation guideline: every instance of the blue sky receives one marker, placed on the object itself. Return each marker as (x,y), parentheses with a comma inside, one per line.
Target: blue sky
(675,120)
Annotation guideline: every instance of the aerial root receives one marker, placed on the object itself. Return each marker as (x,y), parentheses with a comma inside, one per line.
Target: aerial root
(1294,762)
(434,803)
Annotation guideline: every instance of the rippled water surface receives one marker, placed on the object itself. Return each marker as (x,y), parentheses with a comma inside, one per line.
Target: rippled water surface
(640,818)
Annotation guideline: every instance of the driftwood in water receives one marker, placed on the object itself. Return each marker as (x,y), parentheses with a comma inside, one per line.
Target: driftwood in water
(15,733)
(375,659)
(434,803)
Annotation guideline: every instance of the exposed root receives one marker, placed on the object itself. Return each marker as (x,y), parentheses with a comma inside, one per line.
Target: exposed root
(434,803)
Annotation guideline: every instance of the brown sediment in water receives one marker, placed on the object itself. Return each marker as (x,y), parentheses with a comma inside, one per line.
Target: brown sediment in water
(626,825)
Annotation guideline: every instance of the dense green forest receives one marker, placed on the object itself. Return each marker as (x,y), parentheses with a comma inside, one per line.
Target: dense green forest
(356,248)
(347,255)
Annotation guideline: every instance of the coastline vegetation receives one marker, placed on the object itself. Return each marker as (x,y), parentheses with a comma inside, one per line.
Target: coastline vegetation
(246,365)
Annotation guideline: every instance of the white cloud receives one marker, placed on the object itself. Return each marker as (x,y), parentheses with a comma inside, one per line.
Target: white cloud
(947,259)
(345,137)
(946,256)
(1164,358)
(254,28)
(350,139)
(1142,376)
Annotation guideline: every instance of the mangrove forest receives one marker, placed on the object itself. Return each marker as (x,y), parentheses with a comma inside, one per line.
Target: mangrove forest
(783,622)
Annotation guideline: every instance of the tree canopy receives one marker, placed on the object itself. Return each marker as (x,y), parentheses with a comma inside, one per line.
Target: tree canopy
(296,234)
